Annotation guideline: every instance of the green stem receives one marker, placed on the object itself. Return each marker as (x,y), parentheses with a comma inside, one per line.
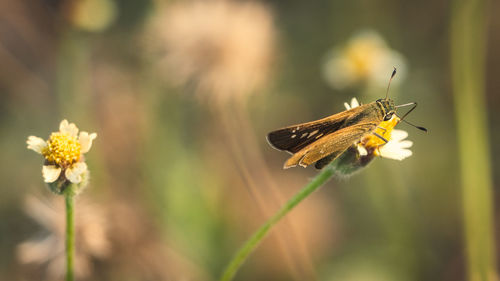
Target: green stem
(261,233)
(70,235)
(468,56)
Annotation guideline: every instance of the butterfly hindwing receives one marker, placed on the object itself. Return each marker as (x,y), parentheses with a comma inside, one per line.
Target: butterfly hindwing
(329,147)
(325,161)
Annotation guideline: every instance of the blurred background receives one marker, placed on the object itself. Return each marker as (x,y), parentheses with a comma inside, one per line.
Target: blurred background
(182,95)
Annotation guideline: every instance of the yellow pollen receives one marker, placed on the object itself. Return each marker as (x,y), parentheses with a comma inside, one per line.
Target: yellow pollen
(62,149)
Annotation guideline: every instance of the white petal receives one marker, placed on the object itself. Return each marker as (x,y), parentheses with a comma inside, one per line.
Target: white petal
(74,173)
(398,135)
(362,150)
(38,250)
(86,141)
(405,144)
(397,155)
(396,150)
(36,144)
(50,173)
(337,70)
(69,128)
(354,103)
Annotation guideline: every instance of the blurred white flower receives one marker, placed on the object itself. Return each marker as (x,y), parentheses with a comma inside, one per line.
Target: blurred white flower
(223,47)
(365,58)
(48,250)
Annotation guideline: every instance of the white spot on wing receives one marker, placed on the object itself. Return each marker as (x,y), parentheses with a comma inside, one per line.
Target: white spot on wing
(293,136)
(304,135)
(313,133)
(319,136)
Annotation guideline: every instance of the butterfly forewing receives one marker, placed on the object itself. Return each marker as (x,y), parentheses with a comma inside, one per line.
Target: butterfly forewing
(296,137)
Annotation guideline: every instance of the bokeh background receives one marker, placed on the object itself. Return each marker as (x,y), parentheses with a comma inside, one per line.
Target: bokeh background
(182,94)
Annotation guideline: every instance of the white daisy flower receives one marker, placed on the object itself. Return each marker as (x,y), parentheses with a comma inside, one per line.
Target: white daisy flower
(63,153)
(396,148)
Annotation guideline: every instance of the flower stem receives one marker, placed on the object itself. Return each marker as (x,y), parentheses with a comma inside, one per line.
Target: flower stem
(261,233)
(469,24)
(70,235)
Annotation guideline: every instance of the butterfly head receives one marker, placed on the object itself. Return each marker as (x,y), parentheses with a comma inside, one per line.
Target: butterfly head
(388,108)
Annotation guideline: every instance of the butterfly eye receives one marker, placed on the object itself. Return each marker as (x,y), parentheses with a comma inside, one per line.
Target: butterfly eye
(388,117)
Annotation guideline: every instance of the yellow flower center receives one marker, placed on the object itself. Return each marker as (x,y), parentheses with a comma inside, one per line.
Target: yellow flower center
(362,55)
(62,149)
(384,129)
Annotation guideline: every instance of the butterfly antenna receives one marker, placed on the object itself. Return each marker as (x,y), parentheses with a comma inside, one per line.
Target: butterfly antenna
(389,85)
(402,118)
(418,127)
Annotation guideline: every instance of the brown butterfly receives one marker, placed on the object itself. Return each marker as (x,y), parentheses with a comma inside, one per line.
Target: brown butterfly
(322,141)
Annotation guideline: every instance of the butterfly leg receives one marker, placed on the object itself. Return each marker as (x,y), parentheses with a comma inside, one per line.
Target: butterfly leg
(409,111)
(382,138)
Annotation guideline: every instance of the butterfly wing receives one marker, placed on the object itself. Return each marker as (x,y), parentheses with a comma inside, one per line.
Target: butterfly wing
(325,161)
(296,137)
(329,147)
